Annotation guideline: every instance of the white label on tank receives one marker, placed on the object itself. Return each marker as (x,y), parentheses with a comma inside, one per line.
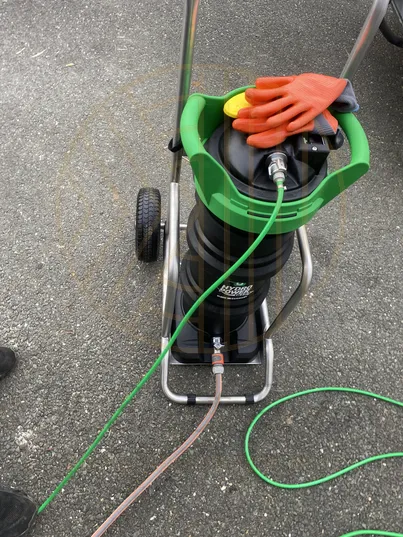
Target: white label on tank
(235,292)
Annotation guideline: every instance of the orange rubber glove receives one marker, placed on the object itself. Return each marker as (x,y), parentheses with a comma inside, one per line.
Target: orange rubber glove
(294,103)
(272,137)
(263,137)
(260,94)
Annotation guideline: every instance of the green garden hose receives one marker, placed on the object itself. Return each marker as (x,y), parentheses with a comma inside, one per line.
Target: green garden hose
(334,475)
(372,532)
(147,376)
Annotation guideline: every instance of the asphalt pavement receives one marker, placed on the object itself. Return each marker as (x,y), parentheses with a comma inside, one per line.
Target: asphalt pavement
(87,96)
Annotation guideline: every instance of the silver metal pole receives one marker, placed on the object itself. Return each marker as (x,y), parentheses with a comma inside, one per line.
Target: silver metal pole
(306,278)
(171,259)
(367,34)
(187,47)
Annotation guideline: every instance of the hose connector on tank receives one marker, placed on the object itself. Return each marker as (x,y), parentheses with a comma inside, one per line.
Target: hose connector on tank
(278,168)
(217,360)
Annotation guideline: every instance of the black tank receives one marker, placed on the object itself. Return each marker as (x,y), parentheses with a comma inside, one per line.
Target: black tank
(232,310)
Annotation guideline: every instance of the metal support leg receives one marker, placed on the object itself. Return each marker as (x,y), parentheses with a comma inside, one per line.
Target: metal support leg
(187,47)
(306,278)
(171,259)
(367,34)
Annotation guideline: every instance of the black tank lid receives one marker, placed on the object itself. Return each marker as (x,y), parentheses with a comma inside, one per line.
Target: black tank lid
(248,167)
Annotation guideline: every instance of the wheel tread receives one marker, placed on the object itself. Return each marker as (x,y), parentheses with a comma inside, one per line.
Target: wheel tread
(148,221)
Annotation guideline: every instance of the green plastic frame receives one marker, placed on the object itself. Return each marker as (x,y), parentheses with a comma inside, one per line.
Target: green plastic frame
(202,115)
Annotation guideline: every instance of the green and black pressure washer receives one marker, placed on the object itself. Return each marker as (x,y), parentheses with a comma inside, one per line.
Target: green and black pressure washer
(236,195)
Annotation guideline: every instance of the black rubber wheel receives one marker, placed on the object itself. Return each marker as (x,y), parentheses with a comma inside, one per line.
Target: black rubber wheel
(148,224)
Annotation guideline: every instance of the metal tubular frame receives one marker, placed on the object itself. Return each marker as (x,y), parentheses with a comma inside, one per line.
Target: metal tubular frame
(172,226)
(306,278)
(365,38)
(225,399)
(186,55)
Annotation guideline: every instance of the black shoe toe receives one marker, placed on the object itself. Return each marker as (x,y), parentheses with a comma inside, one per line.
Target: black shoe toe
(17,513)
(7,361)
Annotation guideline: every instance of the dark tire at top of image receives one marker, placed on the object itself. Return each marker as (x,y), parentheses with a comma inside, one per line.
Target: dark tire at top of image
(148,224)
